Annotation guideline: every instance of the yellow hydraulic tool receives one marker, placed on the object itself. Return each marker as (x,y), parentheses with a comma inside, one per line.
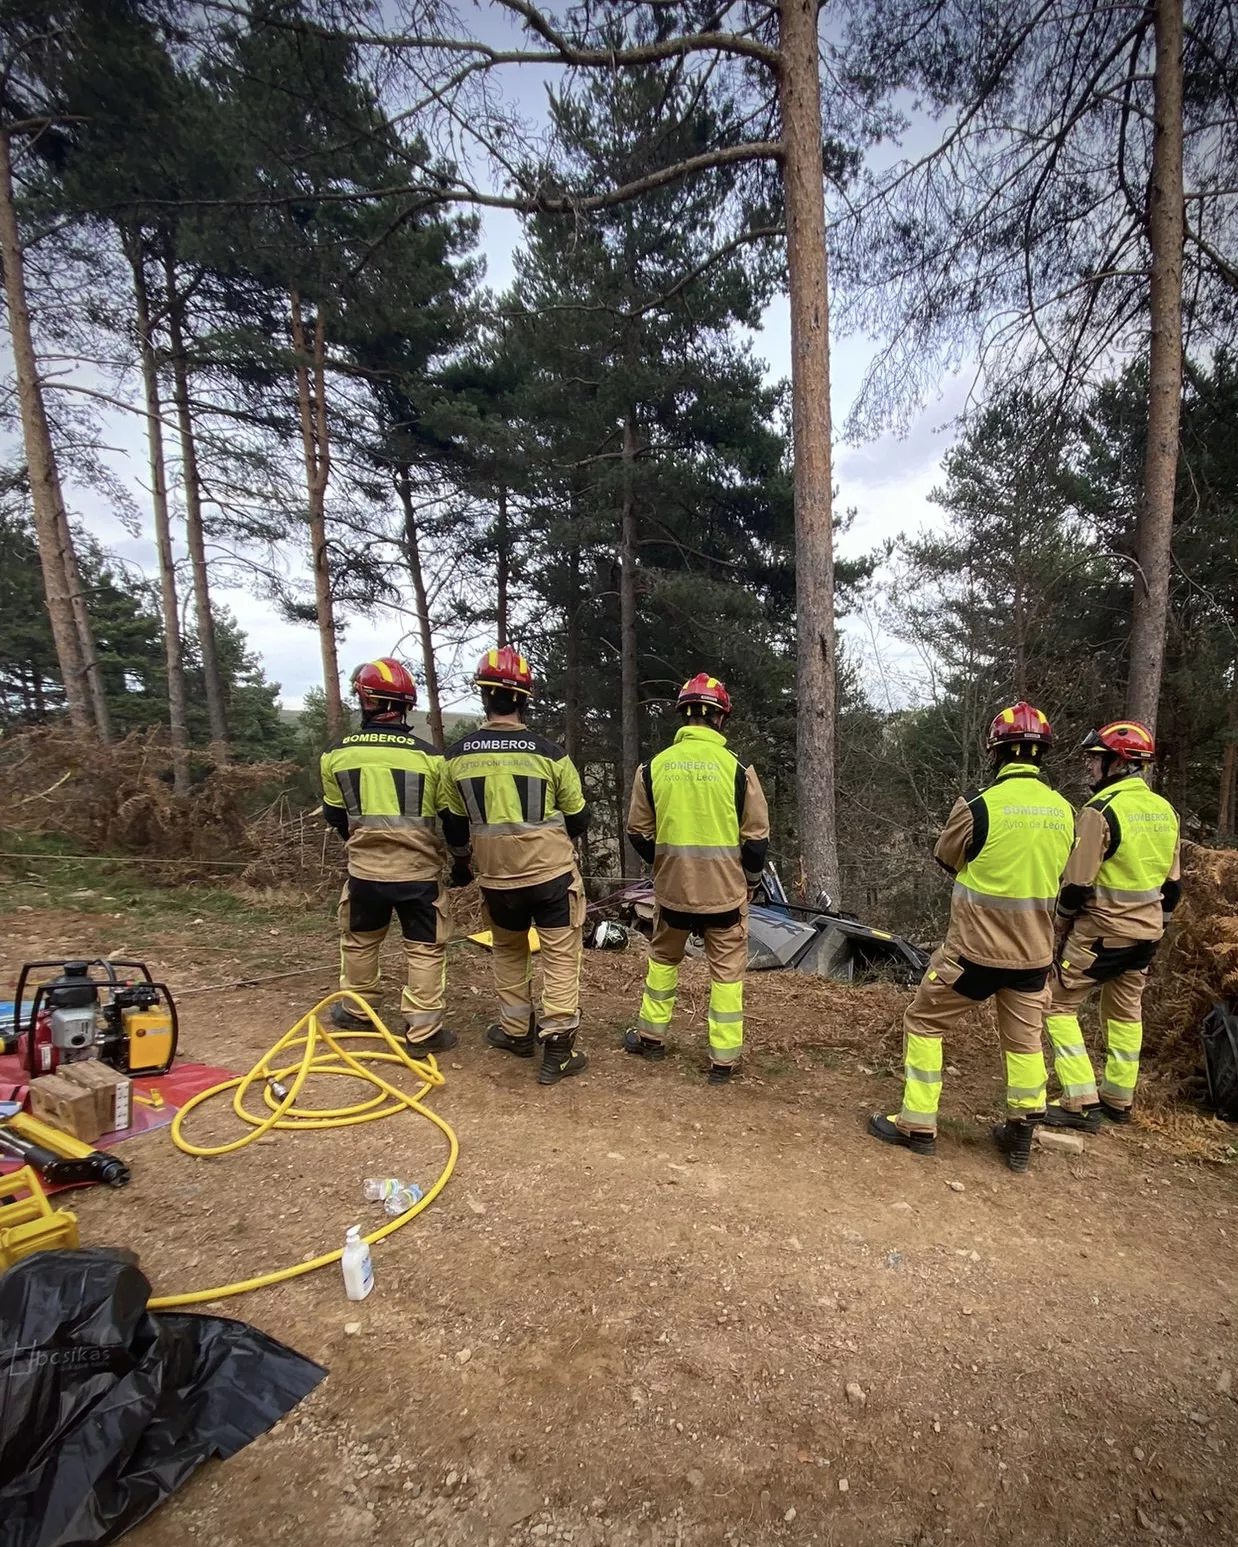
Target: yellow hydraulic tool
(29,1224)
(316,1048)
(61,1159)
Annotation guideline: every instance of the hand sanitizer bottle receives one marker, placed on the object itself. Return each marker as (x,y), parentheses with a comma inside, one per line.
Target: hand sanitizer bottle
(357,1265)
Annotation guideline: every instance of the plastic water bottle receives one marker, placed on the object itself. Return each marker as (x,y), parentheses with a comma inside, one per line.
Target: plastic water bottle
(401,1198)
(357,1264)
(397,1197)
(378,1188)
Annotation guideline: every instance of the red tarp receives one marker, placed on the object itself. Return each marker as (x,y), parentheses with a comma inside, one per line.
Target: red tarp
(176,1087)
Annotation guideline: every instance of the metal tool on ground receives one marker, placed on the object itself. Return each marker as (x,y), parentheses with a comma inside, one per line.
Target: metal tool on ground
(314,1048)
(91,1011)
(60,1159)
(28,1223)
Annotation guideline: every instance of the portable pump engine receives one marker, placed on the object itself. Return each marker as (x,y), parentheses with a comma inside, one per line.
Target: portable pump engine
(90,1011)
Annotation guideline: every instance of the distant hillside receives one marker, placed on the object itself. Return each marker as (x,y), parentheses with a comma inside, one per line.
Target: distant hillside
(454,725)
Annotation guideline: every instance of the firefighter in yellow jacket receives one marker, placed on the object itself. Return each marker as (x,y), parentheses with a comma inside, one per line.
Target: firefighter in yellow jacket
(1118,892)
(1006,846)
(698,815)
(381,789)
(514,805)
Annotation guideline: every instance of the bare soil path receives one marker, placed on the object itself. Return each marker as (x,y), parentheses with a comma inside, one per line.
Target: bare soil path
(634,1313)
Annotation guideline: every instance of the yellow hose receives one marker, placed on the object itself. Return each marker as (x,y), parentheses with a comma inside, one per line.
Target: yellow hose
(321,1051)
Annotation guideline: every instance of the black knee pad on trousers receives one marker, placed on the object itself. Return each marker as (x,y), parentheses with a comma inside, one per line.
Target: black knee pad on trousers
(548,906)
(1113,961)
(371,904)
(977,982)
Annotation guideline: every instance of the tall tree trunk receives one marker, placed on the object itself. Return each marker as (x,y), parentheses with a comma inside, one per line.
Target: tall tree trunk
(91,666)
(40,460)
(312,404)
(1019,616)
(804,191)
(173,647)
(215,711)
(1154,528)
(412,554)
(572,654)
(503,544)
(1227,801)
(629,656)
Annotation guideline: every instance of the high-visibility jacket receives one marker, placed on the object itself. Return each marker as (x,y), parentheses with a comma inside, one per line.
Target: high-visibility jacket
(704,813)
(381,789)
(515,800)
(1122,878)
(1006,846)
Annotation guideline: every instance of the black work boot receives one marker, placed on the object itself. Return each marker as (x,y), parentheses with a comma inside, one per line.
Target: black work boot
(720,1074)
(442,1039)
(523,1047)
(1014,1139)
(558,1059)
(345,1018)
(1087,1121)
(888,1131)
(643,1047)
(1114,1114)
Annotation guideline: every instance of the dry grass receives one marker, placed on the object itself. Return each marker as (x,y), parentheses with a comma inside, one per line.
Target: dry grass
(1196,967)
(119,798)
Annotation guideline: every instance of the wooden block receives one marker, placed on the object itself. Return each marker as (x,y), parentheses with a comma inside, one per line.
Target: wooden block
(113,1091)
(66,1105)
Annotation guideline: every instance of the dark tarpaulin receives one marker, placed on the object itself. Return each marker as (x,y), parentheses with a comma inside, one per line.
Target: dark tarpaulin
(106,1409)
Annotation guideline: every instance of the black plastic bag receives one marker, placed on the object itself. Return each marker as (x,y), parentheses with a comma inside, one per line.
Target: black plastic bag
(1219,1035)
(106,1409)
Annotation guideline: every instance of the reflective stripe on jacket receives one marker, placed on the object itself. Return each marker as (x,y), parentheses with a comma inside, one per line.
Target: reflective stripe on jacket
(522,799)
(1006,846)
(706,814)
(1128,848)
(388,783)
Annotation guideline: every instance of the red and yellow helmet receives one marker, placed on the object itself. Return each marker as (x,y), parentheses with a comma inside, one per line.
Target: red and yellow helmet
(504,668)
(704,689)
(1020,722)
(1127,739)
(384,680)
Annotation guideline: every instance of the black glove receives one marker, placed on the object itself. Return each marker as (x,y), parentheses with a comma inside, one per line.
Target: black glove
(461,873)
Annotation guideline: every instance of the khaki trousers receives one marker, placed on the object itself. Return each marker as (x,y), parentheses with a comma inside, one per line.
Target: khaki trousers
(727,953)
(364,913)
(1121,1015)
(938,1008)
(560,950)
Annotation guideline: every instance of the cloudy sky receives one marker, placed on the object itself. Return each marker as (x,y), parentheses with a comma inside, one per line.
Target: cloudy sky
(887,481)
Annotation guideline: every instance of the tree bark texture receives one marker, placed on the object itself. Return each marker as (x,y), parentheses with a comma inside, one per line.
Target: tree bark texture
(312,405)
(41,462)
(572,659)
(412,554)
(1227,794)
(216,711)
(173,647)
(504,562)
(629,658)
(1154,527)
(91,667)
(804,191)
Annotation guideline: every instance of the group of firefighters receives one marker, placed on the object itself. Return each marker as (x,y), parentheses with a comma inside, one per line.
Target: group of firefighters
(1047,904)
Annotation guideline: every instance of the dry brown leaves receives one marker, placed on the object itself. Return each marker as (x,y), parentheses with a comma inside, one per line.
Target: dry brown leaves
(119,798)
(1196,967)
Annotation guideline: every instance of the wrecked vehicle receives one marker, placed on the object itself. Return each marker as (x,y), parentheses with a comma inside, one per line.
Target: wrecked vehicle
(783,935)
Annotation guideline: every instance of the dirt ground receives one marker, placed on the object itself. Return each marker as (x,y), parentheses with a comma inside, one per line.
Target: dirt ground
(634,1312)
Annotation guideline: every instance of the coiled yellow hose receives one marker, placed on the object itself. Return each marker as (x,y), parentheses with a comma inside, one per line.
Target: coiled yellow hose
(322,1051)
